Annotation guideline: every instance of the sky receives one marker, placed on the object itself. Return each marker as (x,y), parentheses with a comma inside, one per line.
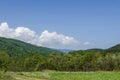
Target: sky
(62,24)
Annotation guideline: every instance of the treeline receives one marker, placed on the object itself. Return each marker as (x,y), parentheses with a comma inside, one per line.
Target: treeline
(72,61)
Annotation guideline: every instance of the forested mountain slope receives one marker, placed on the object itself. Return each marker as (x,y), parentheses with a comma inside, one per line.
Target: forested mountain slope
(115,48)
(15,47)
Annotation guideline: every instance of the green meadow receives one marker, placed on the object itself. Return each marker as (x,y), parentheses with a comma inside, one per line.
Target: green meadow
(53,75)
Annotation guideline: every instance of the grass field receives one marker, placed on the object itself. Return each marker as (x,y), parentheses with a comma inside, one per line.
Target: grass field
(53,75)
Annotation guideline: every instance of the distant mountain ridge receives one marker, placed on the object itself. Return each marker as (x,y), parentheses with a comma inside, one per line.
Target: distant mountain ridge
(16,47)
(115,48)
(64,50)
(95,49)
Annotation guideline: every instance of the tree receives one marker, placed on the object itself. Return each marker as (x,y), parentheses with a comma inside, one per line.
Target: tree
(33,62)
(4,61)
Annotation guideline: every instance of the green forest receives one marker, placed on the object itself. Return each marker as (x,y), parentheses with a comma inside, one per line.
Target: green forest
(72,61)
(81,60)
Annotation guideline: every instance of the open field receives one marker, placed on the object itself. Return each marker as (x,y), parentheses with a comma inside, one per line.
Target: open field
(53,75)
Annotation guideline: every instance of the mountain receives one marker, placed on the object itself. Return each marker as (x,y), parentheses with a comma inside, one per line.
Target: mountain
(64,50)
(15,47)
(112,49)
(95,49)
(115,48)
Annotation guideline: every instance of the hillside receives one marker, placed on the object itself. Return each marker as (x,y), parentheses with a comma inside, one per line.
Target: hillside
(15,47)
(95,49)
(115,48)
(112,49)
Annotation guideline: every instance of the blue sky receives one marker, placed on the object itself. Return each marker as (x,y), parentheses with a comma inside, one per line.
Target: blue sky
(96,22)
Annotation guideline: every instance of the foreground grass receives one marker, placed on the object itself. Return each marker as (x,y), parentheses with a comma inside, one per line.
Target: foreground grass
(5,76)
(53,75)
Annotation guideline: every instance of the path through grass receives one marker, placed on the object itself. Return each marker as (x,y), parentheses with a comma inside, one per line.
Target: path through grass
(53,75)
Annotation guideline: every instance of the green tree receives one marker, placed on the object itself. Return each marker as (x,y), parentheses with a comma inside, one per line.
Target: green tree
(4,61)
(33,62)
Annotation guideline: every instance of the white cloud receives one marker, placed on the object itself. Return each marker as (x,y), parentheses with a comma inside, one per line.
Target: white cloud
(86,43)
(5,31)
(24,34)
(52,38)
(46,38)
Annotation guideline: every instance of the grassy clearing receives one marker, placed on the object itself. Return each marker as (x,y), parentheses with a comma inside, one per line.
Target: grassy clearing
(86,76)
(52,75)
(6,76)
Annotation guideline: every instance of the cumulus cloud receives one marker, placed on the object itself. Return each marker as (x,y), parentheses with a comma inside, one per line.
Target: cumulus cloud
(21,33)
(46,38)
(24,34)
(51,38)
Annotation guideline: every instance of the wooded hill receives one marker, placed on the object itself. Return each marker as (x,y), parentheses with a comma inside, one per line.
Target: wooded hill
(114,49)
(31,58)
(15,47)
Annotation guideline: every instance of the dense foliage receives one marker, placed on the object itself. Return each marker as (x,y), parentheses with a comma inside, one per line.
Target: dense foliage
(14,57)
(73,61)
